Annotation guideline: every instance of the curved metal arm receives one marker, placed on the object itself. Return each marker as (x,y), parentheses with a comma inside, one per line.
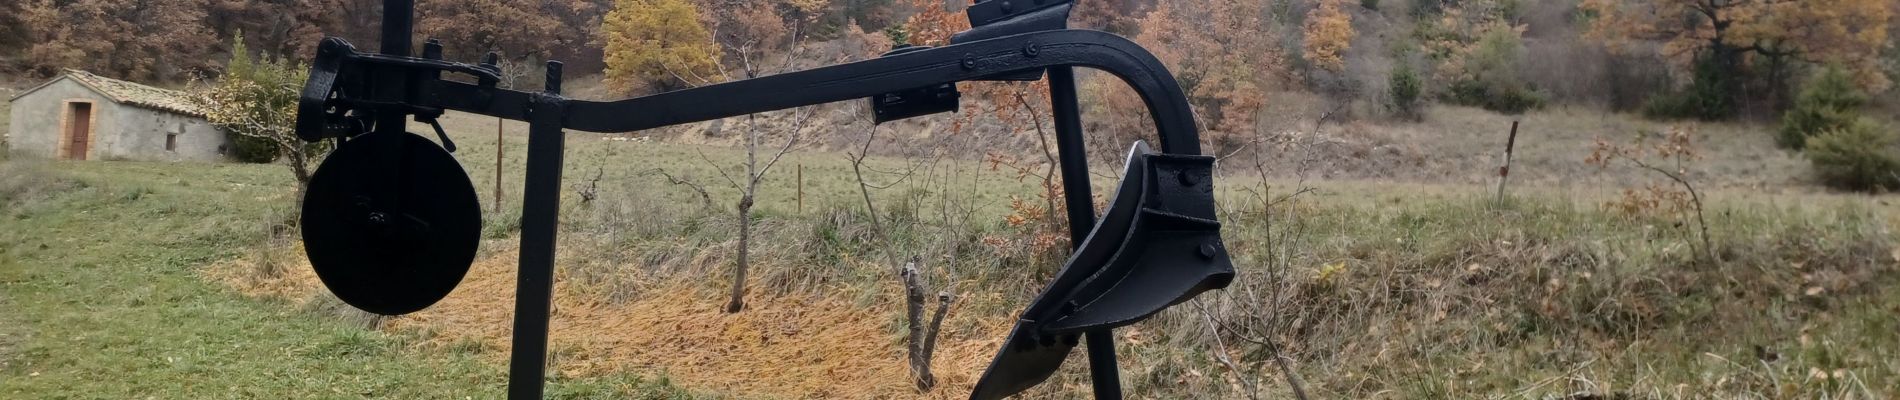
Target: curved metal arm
(950,64)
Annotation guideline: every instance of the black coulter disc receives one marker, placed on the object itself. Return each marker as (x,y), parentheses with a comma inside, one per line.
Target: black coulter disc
(391,223)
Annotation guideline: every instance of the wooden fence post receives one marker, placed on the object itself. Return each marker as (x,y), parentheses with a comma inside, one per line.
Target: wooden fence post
(1504,172)
(498,140)
(801,188)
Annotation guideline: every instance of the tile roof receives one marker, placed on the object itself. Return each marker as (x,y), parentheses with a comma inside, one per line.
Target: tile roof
(131,93)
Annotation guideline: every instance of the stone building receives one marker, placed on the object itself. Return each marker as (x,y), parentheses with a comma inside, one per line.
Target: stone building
(81,116)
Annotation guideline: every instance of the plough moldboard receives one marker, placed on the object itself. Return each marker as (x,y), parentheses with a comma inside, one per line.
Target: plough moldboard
(391,222)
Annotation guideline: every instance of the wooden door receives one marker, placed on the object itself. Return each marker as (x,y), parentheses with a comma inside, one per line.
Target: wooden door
(81,135)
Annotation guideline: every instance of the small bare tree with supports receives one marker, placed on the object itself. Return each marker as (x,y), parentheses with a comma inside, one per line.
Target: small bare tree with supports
(955,208)
(745,33)
(922,336)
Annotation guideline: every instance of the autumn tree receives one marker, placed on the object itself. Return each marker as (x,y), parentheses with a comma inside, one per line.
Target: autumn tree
(353,20)
(1328,33)
(256,100)
(13,29)
(1224,54)
(933,24)
(1113,16)
(1723,42)
(140,40)
(866,15)
(657,45)
(519,30)
(1476,51)
(286,28)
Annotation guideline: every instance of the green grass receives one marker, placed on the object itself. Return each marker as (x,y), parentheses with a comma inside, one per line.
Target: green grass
(98,279)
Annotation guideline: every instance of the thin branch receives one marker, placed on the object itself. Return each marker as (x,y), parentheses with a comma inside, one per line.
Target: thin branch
(705,199)
(798,126)
(716,167)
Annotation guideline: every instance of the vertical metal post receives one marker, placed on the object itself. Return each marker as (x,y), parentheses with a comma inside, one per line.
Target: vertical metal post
(398,30)
(1103,371)
(540,216)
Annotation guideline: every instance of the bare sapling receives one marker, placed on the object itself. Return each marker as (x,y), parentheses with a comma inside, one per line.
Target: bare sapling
(1255,307)
(922,337)
(1671,158)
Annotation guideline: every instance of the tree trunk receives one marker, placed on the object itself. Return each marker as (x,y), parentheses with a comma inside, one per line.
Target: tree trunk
(746,196)
(745,243)
(300,167)
(914,316)
(936,327)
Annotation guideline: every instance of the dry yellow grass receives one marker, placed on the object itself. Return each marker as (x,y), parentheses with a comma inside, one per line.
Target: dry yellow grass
(294,282)
(796,346)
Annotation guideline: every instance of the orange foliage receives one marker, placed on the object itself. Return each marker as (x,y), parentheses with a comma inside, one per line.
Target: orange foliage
(1328,34)
(933,24)
(650,41)
(136,40)
(1671,156)
(470,28)
(1848,32)
(1038,222)
(1224,54)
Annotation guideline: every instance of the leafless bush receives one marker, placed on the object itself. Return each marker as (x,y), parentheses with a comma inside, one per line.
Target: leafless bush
(1258,309)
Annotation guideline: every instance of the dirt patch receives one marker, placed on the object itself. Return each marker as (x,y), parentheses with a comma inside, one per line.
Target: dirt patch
(797,346)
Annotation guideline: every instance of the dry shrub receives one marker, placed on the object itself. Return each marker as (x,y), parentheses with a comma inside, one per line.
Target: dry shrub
(1673,158)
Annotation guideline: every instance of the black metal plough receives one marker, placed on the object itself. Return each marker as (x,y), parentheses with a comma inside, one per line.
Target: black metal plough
(391,222)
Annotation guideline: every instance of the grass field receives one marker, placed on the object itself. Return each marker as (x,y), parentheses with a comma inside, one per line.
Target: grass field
(98,274)
(167,277)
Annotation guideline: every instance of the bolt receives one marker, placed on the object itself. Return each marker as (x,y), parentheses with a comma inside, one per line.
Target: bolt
(1188,178)
(969,61)
(1007,7)
(1030,49)
(1208,250)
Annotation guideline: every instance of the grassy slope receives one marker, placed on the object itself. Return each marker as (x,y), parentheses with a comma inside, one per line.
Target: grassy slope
(102,299)
(1443,296)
